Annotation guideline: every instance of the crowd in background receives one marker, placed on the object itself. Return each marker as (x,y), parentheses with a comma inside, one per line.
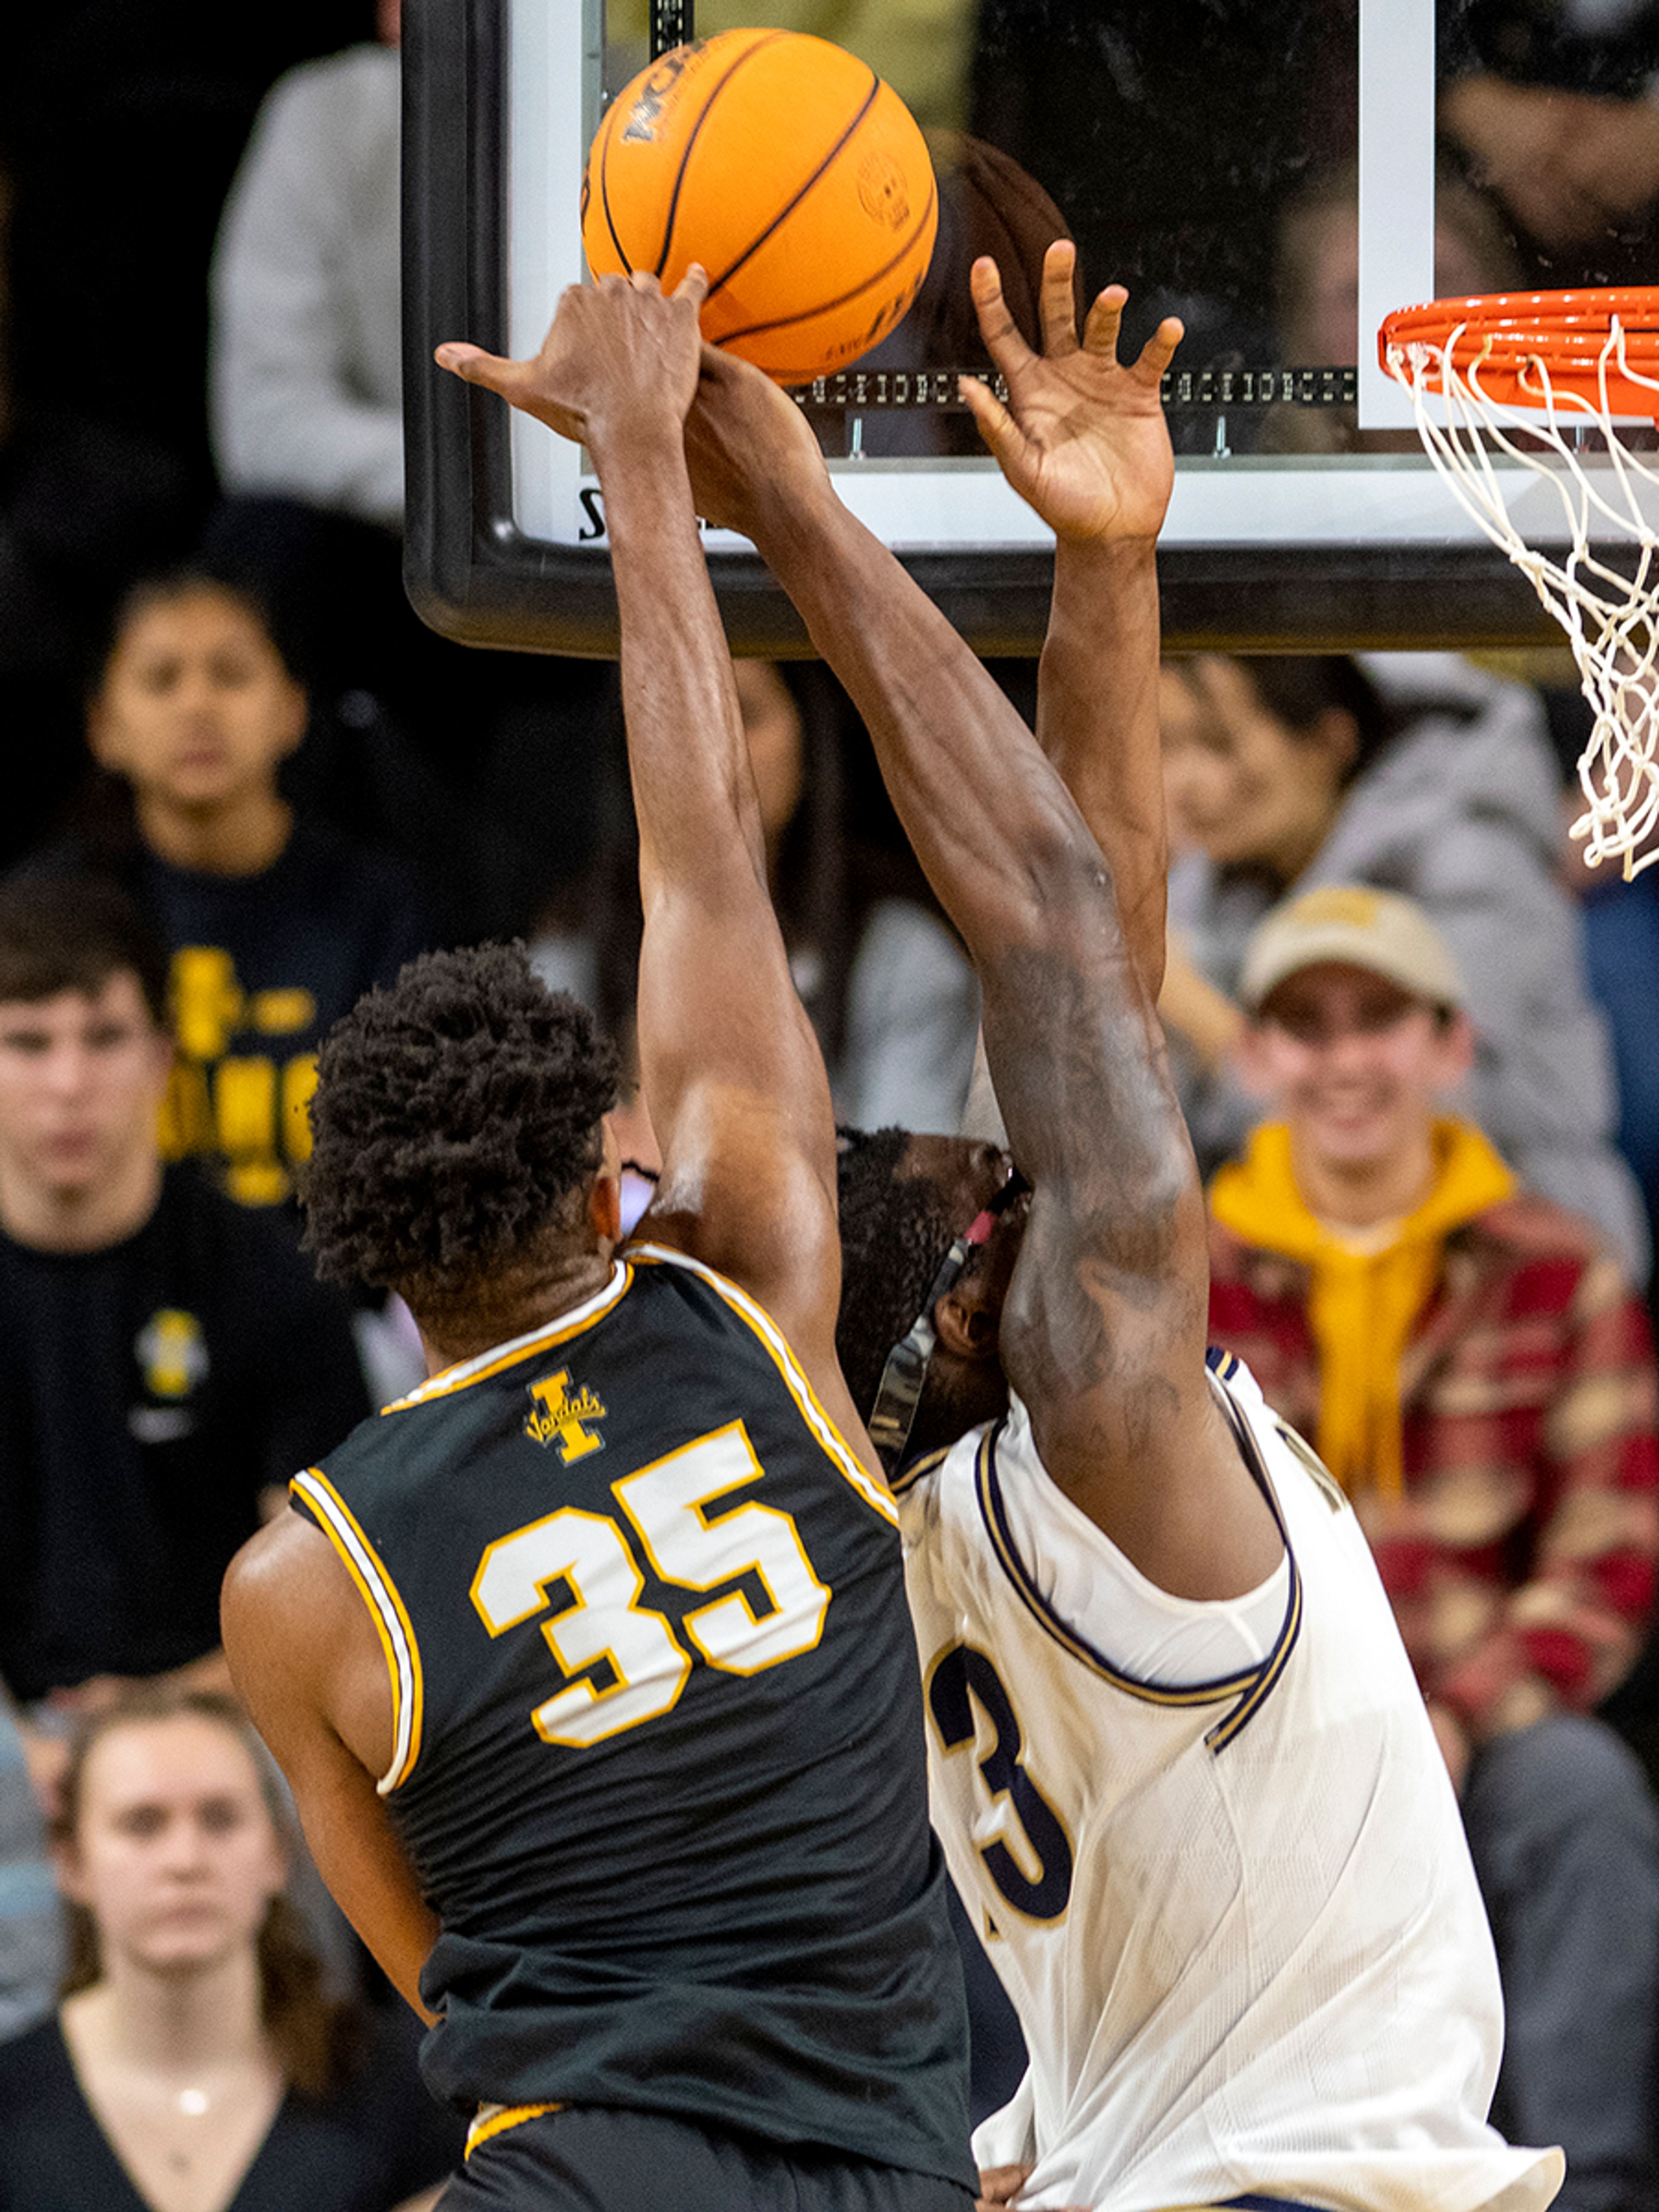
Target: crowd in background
(244,785)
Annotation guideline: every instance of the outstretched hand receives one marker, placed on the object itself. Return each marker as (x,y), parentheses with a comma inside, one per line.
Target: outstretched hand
(621,357)
(1083,439)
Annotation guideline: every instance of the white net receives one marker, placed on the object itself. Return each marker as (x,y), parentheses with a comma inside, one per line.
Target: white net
(1611,619)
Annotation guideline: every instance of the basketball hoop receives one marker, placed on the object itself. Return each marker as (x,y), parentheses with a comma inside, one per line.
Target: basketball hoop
(1549,366)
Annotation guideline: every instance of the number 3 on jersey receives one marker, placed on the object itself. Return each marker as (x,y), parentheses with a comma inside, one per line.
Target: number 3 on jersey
(962,1679)
(604,1629)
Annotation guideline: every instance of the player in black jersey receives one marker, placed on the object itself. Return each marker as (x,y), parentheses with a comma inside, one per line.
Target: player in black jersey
(589,1661)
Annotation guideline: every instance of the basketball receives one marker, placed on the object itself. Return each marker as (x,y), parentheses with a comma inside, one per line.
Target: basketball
(791,171)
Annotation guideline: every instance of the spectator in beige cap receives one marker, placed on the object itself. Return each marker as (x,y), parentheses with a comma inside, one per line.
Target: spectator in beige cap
(1475,1370)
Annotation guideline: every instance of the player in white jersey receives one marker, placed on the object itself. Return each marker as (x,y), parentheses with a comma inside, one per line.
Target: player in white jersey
(1211,1848)
(1180,1753)
(1180,1762)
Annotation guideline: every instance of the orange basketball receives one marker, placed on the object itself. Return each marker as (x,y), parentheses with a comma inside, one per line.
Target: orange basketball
(791,171)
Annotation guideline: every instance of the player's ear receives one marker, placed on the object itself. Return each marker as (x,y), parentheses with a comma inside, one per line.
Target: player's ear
(605,1206)
(966,1325)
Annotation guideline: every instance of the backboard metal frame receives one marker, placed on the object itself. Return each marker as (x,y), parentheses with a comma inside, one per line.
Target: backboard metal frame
(1413,577)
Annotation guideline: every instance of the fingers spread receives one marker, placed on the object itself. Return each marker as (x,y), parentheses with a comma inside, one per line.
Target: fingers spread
(694,285)
(1058,300)
(1159,349)
(1100,332)
(997,326)
(996,425)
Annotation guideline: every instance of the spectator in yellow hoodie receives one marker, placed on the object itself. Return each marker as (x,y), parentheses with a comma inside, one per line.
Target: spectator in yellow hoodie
(1478,1373)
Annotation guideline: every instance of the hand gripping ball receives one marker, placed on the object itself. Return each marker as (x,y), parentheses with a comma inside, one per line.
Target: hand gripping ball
(791,171)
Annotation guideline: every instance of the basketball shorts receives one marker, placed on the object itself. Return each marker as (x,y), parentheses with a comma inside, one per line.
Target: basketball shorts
(593,2158)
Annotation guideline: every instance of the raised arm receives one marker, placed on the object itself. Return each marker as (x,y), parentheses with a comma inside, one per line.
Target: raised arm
(732,1072)
(1058,443)
(1080,442)
(1103,1332)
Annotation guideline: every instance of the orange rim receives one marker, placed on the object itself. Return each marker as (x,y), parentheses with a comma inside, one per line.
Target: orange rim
(1504,336)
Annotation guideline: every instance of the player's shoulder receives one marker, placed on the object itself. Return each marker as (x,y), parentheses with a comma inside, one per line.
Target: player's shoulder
(693,1290)
(945,1466)
(1257,1421)
(282,1583)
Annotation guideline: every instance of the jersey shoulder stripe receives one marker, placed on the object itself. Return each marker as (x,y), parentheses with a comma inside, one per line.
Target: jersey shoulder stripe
(840,1453)
(1223,1365)
(313,1490)
(1249,1685)
(1273,1666)
(908,1477)
(493,2120)
(466,1373)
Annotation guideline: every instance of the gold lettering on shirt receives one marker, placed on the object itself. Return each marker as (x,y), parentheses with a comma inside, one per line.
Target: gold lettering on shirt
(562,1419)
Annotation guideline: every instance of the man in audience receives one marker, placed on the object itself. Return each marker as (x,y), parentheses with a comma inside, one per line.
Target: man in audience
(164,1354)
(1478,1373)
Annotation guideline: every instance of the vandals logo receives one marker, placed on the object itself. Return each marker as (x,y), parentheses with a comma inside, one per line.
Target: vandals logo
(562,1417)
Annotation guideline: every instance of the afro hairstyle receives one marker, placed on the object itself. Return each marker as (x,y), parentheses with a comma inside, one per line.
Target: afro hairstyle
(456,1123)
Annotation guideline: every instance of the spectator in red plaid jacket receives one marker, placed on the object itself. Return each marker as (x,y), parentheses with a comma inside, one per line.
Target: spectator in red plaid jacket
(1478,1373)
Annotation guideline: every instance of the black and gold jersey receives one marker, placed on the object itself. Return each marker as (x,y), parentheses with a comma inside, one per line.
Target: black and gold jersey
(658,1755)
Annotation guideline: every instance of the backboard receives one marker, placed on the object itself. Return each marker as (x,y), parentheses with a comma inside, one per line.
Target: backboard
(1280,177)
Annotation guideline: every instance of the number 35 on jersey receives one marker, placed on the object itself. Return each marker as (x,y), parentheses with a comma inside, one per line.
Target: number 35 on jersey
(618,1662)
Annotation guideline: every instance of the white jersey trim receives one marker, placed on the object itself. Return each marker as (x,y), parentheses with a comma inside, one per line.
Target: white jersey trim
(386,1609)
(508,1354)
(1249,1685)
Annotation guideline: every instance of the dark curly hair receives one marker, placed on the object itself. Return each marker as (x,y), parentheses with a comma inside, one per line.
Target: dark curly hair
(895,1232)
(455,1126)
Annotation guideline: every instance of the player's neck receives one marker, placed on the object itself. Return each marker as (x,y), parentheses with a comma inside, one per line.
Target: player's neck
(88,1219)
(512,1303)
(242,836)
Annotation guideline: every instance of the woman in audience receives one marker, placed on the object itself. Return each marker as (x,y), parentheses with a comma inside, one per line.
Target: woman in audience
(275,921)
(195,2064)
(1416,773)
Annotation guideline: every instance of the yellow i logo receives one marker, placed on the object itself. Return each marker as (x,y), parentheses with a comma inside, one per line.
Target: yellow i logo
(560,1419)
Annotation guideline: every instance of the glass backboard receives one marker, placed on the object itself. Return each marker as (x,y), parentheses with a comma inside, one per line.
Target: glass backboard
(1280,177)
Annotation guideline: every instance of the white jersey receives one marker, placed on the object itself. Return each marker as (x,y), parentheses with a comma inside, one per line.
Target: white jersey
(1213,1853)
